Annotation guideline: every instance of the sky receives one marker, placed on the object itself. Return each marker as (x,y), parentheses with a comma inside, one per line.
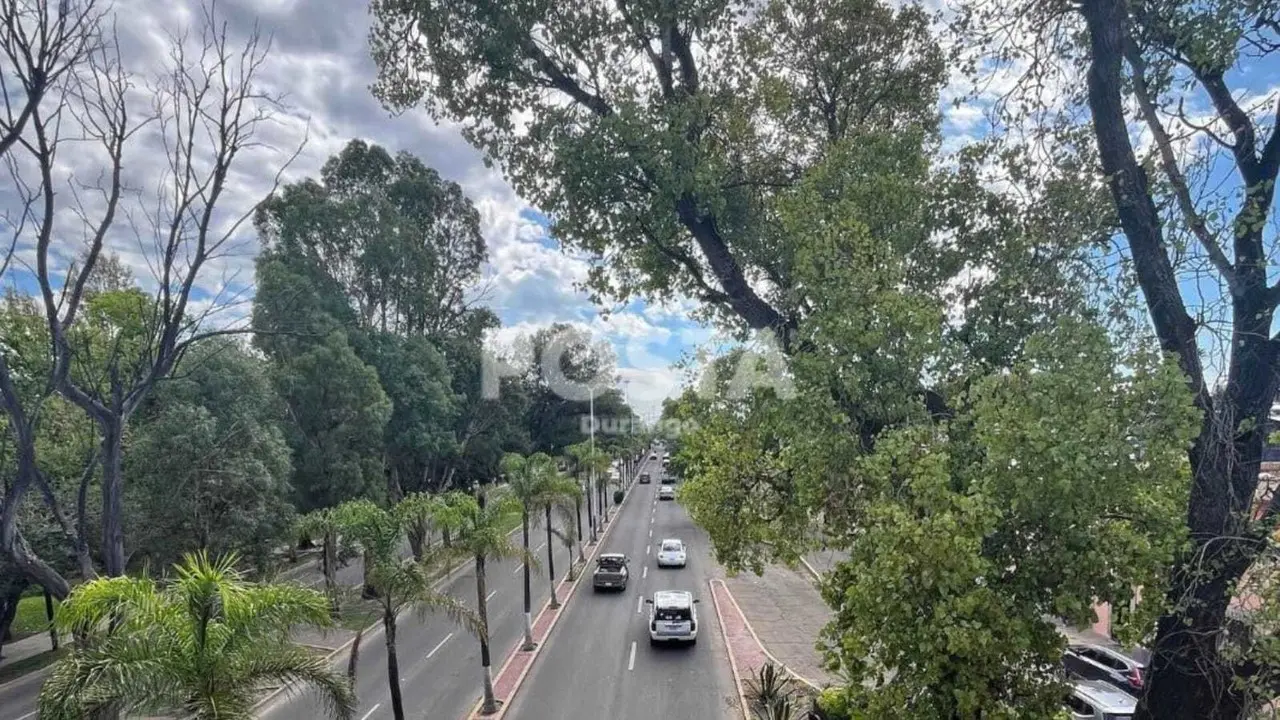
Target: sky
(319,63)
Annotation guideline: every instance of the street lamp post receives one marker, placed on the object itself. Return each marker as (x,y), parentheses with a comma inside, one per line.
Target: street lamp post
(591,478)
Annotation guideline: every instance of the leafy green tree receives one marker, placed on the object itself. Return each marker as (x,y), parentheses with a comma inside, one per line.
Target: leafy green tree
(483,531)
(324,524)
(204,644)
(398,583)
(1127,76)
(338,411)
(208,461)
(526,479)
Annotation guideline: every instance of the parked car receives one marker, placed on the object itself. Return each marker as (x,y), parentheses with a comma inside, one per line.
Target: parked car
(666,492)
(611,572)
(668,479)
(1089,661)
(1097,700)
(673,617)
(644,479)
(653,456)
(671,553)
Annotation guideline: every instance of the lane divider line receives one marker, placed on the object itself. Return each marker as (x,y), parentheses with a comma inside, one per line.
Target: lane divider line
(644,573)
(569,594)
(490,596)
(371,712)
(639,604)
(439,645)
(373,628)
(631,663)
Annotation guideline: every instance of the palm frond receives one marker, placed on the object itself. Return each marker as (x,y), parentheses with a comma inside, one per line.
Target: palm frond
(131,671)
(299,669)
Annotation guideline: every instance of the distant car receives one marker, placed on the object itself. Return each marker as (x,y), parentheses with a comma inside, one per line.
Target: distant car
(668,479)
(1088,661)
(1096,700)
(666,492)
(611,572)
(653,456)
(673,617)
(645,479)
(671,553)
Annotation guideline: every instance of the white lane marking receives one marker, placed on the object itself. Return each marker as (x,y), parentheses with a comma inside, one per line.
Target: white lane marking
(371,712)
(631,664)
(440,645)
(644,572)
(518,569)
(646,549)
(539,547)
(639,604)
(490,596)
(650,532)
(29,715)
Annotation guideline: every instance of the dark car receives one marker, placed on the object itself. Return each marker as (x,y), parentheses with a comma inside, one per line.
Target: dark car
(1096,662)
(668,479)
(611,572)
(645,479)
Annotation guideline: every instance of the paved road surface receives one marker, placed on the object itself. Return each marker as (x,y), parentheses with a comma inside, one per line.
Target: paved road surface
(439,661)
(598,662)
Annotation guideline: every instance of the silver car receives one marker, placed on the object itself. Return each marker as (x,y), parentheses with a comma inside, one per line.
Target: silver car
(1096,700)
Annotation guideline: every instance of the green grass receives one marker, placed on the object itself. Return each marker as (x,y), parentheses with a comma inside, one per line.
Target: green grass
(18,668)
(31,618)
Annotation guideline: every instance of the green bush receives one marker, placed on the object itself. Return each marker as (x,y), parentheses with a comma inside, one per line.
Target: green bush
(617,497)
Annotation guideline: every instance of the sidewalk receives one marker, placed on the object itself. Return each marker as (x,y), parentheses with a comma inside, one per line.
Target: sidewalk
(785,611)
(27,647)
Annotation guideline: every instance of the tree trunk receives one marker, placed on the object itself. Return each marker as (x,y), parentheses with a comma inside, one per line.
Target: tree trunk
(577,508)
(113,556)
(417,535)
(328,564)
(367,591)
(8,611)
(48,613)
(490,705)
(551,561)
(528,594)
(393,662)
(591,518)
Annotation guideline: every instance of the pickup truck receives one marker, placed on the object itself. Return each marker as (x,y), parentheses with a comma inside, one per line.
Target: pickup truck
(610,573)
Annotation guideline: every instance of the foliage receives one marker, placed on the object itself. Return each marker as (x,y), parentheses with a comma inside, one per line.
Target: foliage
(338,411)
(209,463)
(204,644)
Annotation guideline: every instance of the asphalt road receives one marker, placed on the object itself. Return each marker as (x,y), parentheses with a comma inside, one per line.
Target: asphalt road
(598,662)
(439,661)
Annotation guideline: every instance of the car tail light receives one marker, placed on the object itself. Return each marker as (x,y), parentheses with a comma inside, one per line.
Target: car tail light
(693,626)
(1135,677)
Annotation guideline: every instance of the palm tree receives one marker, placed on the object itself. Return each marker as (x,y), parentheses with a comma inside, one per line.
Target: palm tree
(483,531)
(399,583)
(556,490)
(320,523)
(578,454)
(203,645)
(526,477)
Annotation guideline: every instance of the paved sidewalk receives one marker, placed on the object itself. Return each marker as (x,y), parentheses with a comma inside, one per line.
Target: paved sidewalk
(27,647)
(787,613)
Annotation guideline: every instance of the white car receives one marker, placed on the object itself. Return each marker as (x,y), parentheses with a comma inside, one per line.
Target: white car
(671,553)
(1097,700)
(673,617)
(666,492)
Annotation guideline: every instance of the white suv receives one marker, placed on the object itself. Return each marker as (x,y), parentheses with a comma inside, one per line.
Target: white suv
(673,617)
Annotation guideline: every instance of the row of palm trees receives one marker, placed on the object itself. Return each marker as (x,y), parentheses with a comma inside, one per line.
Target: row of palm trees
(207,641)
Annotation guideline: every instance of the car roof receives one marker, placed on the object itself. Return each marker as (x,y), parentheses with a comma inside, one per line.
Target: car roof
(672,540)
(1113,652)
(673,598)
(613,556)
(1107,698)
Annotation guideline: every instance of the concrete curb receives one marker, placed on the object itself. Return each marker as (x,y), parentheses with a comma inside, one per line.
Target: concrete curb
(564,603)
(728,650)
(812,571)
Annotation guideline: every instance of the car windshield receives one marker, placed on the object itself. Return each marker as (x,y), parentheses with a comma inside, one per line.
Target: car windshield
(671,546)
(610,563)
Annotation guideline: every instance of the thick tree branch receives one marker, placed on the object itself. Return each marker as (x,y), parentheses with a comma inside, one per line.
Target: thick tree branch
(1170,164)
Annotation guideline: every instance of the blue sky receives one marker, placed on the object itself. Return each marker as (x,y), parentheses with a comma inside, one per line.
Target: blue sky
(320,62)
